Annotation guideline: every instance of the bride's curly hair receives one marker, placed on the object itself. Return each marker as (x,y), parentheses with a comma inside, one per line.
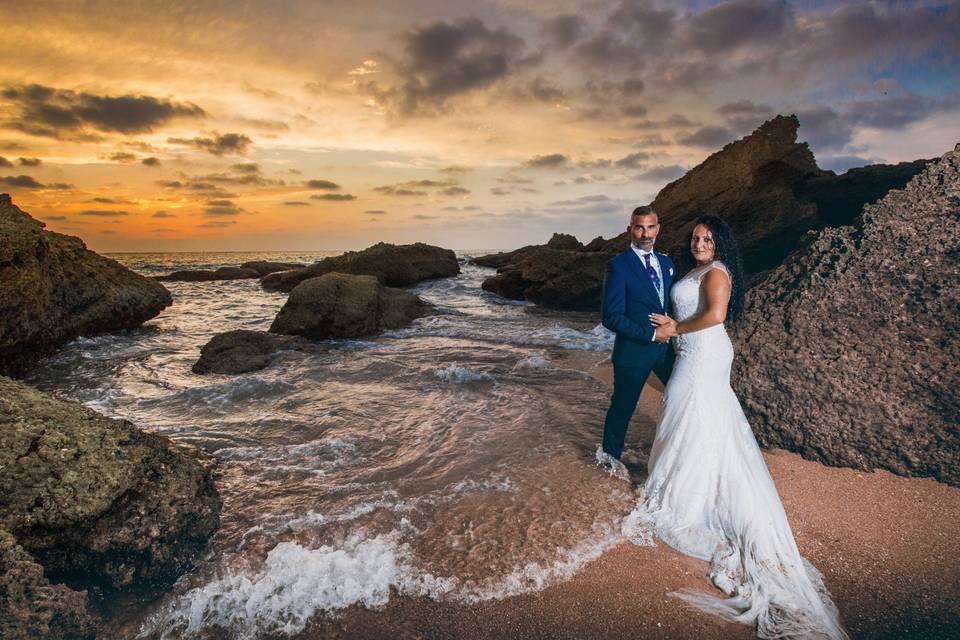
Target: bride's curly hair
(728,253)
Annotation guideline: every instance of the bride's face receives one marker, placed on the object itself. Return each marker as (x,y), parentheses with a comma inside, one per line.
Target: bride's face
(701,244)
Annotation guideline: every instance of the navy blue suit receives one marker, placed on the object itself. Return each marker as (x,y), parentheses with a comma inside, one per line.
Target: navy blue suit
(629,297)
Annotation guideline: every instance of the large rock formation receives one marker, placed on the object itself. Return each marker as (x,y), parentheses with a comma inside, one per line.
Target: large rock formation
(338,305)
(392,265)
(266,267)
(242,351)
(208,275)
(848,351)
(558,278)
(766,185)
(52,289)
(96,502)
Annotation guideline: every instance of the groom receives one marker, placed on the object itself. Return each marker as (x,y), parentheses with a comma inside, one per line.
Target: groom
(637,283)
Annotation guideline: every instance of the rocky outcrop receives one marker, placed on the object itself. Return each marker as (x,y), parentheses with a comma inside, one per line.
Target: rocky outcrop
(558,278)
(208,275)
(98,502)
(53,289)
(767,186)
(392,265)
(849,350)
(31,607)
(265,267)
(339,305)
(241,351)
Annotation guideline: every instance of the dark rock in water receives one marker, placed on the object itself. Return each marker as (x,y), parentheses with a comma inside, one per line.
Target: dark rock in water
(552,277)
(392,265)
(848,351)
(31,607)
(564,241)
(206,275)
(265,267)
(503,258)
(53,289)
(241,351)
(339,305)
(99,502)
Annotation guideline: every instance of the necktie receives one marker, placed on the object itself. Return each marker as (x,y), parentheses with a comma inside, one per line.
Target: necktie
(652,273)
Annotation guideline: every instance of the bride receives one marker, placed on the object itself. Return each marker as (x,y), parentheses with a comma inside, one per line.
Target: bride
(708,493)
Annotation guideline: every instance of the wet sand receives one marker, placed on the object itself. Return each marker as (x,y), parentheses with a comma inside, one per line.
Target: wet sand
(885,544)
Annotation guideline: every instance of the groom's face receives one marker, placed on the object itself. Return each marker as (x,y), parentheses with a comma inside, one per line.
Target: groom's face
(643,231)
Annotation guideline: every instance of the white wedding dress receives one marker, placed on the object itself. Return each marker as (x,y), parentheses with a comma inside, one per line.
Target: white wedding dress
(709,493)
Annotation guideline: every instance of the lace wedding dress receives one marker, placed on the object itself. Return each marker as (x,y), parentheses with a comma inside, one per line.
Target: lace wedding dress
(709,494)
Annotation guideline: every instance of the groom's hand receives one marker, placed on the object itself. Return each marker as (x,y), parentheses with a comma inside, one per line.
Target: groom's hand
(663,333)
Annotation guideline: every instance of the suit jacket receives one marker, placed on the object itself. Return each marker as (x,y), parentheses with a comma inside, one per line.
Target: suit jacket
(629,297)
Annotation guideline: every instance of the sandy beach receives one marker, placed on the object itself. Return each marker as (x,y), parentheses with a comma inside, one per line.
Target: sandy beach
(884,543)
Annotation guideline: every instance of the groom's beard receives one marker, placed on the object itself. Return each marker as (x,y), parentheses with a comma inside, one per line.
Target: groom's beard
(645,244)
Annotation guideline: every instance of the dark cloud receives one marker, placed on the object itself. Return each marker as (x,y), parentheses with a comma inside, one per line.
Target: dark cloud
(455,170)
(55,218)
(296,203)
(221,207)
(200,188)
(218,145)
(708,137)
(104,213)
(375,212)
(674,121)
(103,200)
(391,190)
(247,178)
(744,116)
(586,205)
(447,59)
(544,91)
(632,31)
(28,182)
(217,224)
(729,25)
(29,162)
(549,161)
(510,179)
(163,214)
(565,30)
(634,110)
(594,163)
(122,157)
(421,216)
(823,128)
(894,112)
(633,160)
(62,113)
(661,173)
(246,167)
(4,162)
(322,184)
(334,197)
(151,162)
(455,191)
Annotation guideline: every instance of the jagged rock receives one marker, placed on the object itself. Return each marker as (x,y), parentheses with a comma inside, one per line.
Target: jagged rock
(339,305)
(31,607)
(242,351)
(265,267)
(552,277)
(53,289)
(207,275)
(392,265)
(849,350)
(564,241)
(98,500)
(768,187)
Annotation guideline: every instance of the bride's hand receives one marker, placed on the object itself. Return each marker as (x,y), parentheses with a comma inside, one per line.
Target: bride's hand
(666,326)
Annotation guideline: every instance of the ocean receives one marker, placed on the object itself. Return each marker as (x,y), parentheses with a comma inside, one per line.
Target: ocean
(451,459)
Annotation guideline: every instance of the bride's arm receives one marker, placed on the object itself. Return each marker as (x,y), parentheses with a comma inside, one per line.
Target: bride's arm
(716,286)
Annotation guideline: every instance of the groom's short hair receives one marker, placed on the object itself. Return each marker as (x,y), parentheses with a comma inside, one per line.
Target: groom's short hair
(644,210)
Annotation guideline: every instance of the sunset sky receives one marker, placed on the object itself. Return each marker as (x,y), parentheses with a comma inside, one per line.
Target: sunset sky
(164,126)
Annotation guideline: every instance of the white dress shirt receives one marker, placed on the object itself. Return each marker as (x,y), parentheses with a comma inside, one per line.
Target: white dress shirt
(655,263)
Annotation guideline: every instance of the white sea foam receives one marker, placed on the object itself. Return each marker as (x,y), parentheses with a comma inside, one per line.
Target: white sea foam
(460,375)
(533,362)
(294,583)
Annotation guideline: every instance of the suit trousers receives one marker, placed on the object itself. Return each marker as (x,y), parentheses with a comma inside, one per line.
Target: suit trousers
(628,382)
